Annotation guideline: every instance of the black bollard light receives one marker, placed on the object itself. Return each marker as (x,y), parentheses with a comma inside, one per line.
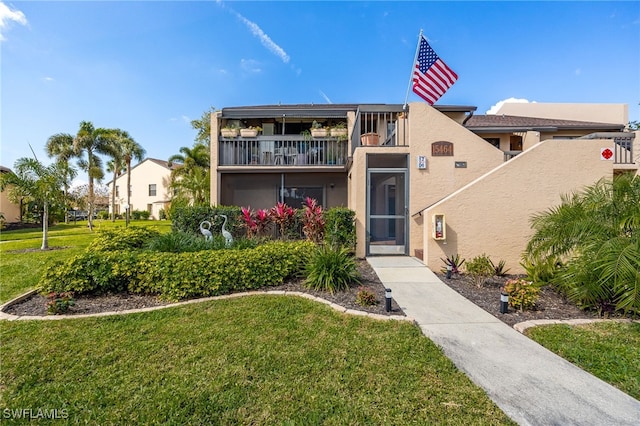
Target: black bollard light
(449,269)
(387,299)
(504,302)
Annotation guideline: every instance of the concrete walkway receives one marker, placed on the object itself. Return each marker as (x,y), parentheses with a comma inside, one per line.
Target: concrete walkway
(530,384)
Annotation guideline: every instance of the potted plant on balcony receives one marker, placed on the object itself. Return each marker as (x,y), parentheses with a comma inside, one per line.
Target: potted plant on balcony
(318,130)
(250,132)
(339,130)
(370,139)
(229,131)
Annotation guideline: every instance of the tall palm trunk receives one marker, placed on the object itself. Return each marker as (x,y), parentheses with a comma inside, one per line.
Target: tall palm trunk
(45,226)
(128,191)
(113,193)
(91,197)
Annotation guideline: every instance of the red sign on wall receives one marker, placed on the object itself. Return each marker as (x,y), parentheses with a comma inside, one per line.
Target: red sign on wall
(606,153)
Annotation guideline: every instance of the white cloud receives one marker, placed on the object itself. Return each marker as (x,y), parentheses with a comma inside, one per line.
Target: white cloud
(8,15)
(48,79)
(494,109)
(326,98)
(250,65)
(578,71)
(264,38)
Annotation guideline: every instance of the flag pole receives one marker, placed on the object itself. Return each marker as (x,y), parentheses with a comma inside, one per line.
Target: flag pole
(413,66)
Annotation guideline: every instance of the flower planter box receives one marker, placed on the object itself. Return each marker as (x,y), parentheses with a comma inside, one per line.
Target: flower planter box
(229,133)
(248,133)
(370,139)
(338,132)
(319,133)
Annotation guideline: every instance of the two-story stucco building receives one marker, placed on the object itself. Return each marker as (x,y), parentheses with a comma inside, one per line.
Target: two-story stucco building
(149,190)
(432,181)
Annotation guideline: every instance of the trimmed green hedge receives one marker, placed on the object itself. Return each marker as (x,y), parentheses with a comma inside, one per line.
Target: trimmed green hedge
(177,276)
(188,218)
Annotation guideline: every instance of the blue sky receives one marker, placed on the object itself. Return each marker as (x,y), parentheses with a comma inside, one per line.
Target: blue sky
(151,67)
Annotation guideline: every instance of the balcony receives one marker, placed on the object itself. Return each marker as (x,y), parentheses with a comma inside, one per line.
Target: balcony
(282,151)
(380,125)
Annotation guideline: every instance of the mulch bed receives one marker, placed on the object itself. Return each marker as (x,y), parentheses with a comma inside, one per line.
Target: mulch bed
(36,304)
(550,304)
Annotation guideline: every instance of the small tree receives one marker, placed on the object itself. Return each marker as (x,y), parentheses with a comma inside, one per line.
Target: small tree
(40,183)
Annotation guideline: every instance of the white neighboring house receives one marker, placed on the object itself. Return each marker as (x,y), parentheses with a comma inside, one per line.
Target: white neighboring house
(149,190)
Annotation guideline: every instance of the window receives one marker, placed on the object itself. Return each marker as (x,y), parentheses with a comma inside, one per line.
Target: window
(152,190)
(493,141)
(117,191)
(130,192)
(296,196)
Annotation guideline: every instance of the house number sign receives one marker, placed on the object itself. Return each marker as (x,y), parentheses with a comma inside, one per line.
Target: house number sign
(442,149)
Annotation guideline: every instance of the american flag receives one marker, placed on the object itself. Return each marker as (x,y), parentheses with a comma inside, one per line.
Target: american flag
(431,76)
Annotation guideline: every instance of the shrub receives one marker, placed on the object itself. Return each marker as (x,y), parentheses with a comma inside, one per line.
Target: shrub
(104,215)
(91,272)
(480,269)
(176,276)
(59,303)
(340,229)
(365,297)
(140,214)
(188,218)
(454,261)
(121,238)
(331,269)
(162,214)
(541,271)
(523,294)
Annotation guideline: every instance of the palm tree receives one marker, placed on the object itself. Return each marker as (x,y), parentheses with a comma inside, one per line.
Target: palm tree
(90,141)
(60,146)
(40,183)
(130,150)
(596,233)
(115,165)
(190,177)
(122,148)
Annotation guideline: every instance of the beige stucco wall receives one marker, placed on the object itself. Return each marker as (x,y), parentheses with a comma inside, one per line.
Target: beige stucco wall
(142,175)
(425,126)
(491,215)
(10,210)
(598,113)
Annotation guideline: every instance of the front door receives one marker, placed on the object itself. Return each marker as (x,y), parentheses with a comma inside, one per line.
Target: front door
(387,211)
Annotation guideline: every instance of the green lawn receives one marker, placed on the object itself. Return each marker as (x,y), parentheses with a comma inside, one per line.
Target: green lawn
(608,350)
(21,263)
(253,360)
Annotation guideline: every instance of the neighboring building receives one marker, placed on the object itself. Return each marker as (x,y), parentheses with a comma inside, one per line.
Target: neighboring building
(10,211)
(149,190)
(403,170)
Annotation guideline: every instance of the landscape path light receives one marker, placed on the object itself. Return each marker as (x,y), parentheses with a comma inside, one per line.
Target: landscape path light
(387,299)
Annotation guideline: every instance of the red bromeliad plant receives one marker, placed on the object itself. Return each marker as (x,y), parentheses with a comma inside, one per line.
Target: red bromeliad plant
(256,222)
(282,215)
(313,221)
(262,221)
(249,222)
